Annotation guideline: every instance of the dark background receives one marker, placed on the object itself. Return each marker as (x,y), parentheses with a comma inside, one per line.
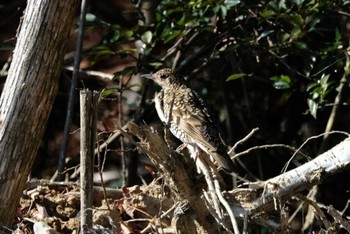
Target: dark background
(286,61)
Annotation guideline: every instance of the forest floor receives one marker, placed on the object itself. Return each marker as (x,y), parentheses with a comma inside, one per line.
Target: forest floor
(47,207)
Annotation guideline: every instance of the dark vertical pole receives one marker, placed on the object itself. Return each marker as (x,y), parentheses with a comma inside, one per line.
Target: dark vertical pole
(70,107)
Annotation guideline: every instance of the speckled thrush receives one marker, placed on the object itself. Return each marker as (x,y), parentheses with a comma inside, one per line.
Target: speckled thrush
(187,116)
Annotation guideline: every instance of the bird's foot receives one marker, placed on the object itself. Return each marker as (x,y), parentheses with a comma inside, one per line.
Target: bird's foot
(181,147)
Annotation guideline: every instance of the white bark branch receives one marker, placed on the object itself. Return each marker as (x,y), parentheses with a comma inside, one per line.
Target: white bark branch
(288,184)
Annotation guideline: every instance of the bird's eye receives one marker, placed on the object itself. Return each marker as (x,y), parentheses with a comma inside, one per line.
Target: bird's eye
(164,76)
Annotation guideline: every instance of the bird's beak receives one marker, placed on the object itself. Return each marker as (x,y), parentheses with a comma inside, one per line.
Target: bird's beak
(147,76)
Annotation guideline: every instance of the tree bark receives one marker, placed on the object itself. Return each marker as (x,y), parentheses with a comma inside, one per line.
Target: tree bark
(29,92)
(259,202)
(185,187)
(287,184)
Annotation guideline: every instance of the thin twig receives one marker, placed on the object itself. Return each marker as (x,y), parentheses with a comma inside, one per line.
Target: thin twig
(208,178)
(284,169)
(259,147)
(227,207)
(338,218)
(100,165)
(213,212)
(92,73)
(4,69)
(242,140)
(137,220)
(120,120)
(337,102)
(216,194)
(318,211)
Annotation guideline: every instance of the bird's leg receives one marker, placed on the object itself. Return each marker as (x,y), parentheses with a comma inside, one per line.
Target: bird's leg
(194,152)
(181,147)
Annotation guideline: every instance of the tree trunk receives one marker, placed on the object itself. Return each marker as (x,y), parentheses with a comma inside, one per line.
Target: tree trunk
(29,92)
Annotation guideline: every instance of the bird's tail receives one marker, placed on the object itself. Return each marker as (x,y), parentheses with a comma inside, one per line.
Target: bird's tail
(224,160)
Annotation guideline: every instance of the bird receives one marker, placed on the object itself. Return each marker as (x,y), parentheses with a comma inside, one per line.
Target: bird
(187,116)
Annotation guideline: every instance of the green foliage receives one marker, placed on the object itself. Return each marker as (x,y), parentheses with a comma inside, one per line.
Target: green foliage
(125,72)
(272,64)
(296,46)
(281,82)
(317,93)
(108,92)
(235,76)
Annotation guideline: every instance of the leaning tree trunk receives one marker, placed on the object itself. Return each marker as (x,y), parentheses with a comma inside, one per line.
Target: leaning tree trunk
(29,93)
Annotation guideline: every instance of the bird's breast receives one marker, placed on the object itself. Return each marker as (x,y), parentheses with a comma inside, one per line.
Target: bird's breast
(179,133)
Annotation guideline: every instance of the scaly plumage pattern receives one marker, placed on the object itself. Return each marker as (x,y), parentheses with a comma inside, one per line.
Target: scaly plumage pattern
(187,116)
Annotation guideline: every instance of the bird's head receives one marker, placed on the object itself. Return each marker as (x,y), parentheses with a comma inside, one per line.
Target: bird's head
(165,77)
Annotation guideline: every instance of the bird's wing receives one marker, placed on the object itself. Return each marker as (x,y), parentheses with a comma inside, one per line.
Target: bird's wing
(193,118)
(204,135)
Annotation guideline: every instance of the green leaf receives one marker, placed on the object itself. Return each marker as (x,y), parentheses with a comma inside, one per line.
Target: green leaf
(107,92)
(296,32)
(312,107)
(235,76)
(90,17)
(285,37)
(147,37)
(282,4)
(298,2)
(223,11)
(264,34)
(316,94)
(273,5)
(268,13)
(297,20)
(172,34)
(216,8)
(324,81)
(301,45)
(122,53)
(115,36)
(338,35)
(156,64)
(102,50)
(126,71)
(128,33)
(311,86)
(281,82)
(312,22)
(231,3)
